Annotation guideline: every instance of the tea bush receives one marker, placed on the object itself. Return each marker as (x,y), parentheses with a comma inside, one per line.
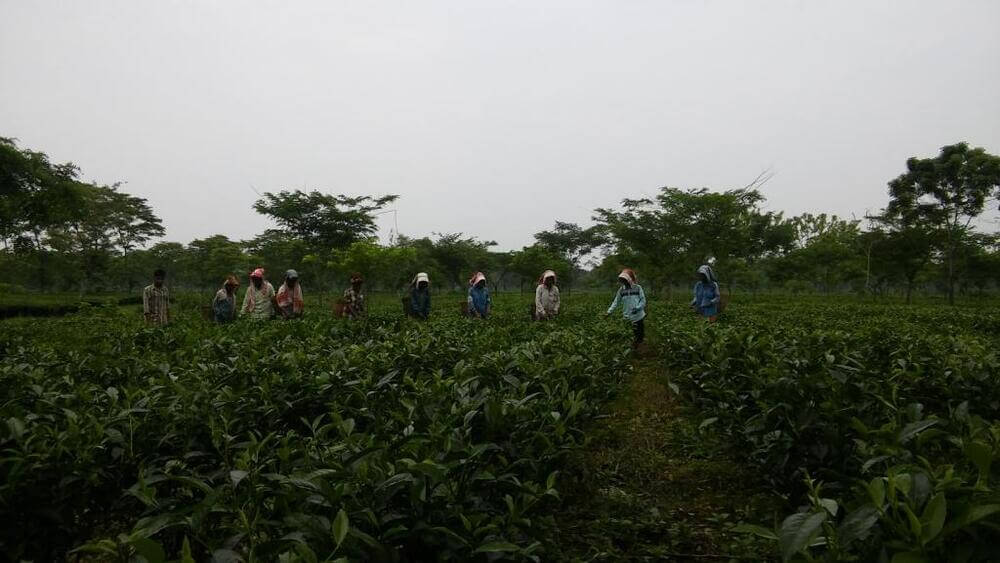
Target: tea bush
(386,439)
(881,421)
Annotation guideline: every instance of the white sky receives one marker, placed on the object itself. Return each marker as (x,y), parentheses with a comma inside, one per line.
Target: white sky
(495,118)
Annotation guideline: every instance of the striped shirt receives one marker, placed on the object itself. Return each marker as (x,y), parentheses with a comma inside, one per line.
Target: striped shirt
(156,304)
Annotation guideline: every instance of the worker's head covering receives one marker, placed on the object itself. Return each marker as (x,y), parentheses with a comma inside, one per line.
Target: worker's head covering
(476,278)
(231,280)
(628,274)
(421,277)
(546,275)
(291,275)
(356,278)
(707,271)
(258,273)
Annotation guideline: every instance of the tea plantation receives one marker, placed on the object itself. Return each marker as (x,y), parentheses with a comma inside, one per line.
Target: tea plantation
(873,428)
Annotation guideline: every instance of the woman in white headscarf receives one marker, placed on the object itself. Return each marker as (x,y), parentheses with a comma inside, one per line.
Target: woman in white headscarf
(546,297)
(420,296)
(479,300)
(633,302)
(706,294)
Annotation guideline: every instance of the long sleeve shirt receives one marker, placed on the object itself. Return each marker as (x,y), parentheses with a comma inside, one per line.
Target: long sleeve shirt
(156,304)
(479,301)
(706,298)
(420,302)
(355,301)
(224,306)
(257,302)
(633,302)
(546,301)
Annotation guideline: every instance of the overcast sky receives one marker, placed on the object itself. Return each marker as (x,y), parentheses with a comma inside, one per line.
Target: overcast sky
(495,118)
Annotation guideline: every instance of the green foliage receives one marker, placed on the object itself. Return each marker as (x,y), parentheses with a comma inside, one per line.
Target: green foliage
(676,231)
(317,439)
(323,221)
(945,193)
(895,410)
(389,266)
(531,261)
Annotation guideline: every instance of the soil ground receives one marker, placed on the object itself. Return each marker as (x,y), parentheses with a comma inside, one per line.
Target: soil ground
(654,486)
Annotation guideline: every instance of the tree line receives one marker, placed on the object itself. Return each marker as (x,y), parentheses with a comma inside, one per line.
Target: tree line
(59,233)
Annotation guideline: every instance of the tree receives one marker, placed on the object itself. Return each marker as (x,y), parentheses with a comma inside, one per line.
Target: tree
(458,256)
(277,251)
(903,249)
(531,261)
(678,229)
(571,241)
(35,196)
(323,221)
(945,193)
(209,260)
(499,268)
(392,267)
(34,193)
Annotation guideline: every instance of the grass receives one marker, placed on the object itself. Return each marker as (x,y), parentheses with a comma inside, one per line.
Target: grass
(652,485)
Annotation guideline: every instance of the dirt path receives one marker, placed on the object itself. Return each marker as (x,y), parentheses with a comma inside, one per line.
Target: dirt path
(653,486)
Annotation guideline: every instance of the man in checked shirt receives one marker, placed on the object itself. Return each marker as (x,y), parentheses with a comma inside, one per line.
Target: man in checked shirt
(156,301)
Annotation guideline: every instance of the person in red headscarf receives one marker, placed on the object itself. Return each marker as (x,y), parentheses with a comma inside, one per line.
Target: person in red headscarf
(260,301)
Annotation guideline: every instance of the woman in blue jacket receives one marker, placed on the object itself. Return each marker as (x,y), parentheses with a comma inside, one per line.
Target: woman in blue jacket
(480,302)
(633,301)
(706,294)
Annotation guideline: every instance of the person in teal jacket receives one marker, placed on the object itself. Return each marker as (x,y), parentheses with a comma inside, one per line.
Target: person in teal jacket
(706,294)
(633,301)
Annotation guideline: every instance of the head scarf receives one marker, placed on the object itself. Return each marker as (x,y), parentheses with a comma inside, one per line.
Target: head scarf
(707,270)
(291,275)
(628,275)
(476,278)
(293,297)
(258,273)
(421,277)
(545,275)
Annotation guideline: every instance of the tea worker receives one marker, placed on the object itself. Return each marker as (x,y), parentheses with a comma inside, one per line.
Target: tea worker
(290,296)
(354,298)
(706,294)
(259,302)
(224,303)
(156,300)
(633,301)
(420,296)
(479,300)
(546,296)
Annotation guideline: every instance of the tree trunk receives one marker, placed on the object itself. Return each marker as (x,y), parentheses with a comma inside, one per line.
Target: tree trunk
(951,273)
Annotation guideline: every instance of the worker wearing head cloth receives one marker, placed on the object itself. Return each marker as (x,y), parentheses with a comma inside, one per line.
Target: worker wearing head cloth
(633,303)
(546,296)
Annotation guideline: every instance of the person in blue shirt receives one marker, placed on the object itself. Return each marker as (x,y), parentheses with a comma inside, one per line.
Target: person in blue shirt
(480,302)
(633,301)
(420,296)
(706,294)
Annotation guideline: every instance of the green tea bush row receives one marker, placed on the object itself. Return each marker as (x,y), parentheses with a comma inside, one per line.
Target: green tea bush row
(386,439)
(882,422)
